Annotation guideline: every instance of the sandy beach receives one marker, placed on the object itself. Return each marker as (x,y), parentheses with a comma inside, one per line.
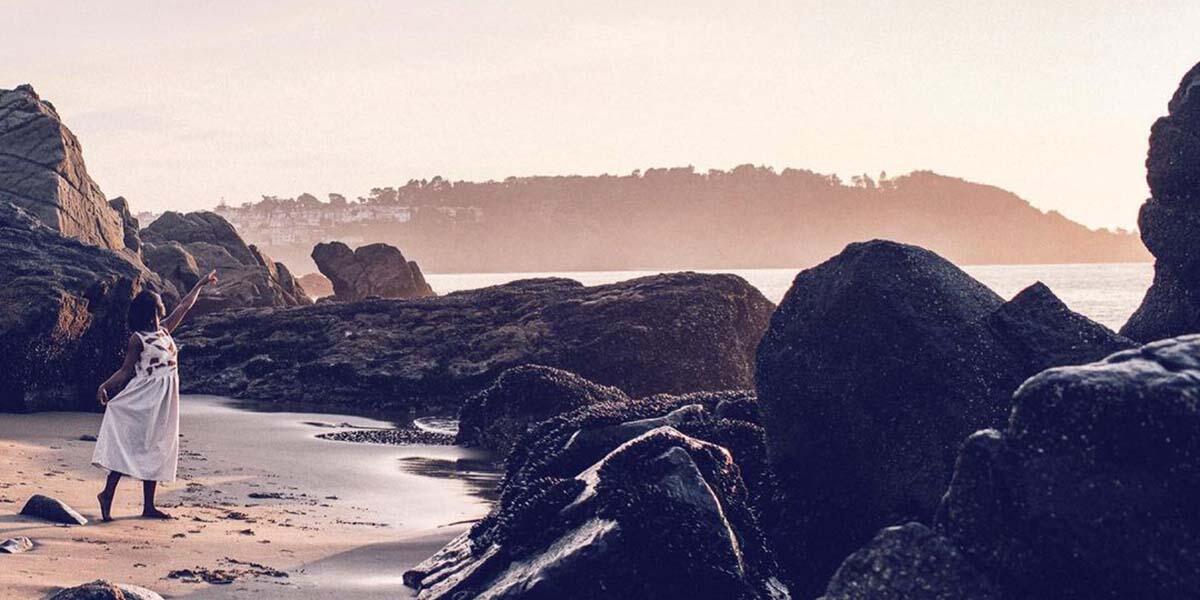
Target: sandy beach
(259,497)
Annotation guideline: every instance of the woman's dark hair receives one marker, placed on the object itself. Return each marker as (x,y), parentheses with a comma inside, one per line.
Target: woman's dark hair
(143,309)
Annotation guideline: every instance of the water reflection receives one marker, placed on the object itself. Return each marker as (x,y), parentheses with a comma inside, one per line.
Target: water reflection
(442,425)
(479,476)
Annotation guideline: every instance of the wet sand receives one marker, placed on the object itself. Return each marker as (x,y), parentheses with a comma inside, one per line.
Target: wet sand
(333,516)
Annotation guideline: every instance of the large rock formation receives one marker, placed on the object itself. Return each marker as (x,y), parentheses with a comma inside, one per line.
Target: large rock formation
(520,397)
(42,171)
(876,366)
(1170,220)
(374,270)
(183,247)
(1091,489)
(668,333)
(627,499)
(62,311)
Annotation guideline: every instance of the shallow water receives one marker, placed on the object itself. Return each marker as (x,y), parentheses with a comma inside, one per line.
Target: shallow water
(1107,293)
(363,475)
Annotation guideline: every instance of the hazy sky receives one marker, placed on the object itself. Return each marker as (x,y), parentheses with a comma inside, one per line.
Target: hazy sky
(179,104)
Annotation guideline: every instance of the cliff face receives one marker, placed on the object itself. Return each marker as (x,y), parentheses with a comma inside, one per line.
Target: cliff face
(62,314)
(42,171)
(70,263)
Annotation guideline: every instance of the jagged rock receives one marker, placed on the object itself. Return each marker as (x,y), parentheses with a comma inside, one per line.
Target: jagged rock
(909,562)
(183,247)
(129,225)
(495,417)
(1170,220)
(876,366)
(374,270)
(201,227)
(105,590)
(172,262)
(1091,489)
(663,515)
(52,509)
(62,311)
(316,284)
(667,333)
(42,171)
(16,545)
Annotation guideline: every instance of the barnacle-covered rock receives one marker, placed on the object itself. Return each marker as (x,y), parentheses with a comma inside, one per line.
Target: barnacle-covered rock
(626,499)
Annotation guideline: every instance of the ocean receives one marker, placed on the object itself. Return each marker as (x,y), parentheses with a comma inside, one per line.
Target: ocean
(1106,293)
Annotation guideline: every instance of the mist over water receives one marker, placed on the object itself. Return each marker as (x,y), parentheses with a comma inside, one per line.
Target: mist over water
(1106,293)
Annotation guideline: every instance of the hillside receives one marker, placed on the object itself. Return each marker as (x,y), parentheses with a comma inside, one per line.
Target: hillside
(677,218)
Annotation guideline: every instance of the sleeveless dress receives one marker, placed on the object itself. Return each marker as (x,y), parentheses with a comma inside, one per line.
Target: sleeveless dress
(139,435)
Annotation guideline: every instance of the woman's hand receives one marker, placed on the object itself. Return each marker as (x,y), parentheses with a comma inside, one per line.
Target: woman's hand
(102,396)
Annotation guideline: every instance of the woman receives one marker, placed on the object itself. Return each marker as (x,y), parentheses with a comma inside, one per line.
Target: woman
(139,435)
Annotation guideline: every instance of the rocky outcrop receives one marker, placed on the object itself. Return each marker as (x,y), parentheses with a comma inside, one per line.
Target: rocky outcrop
(316,285)
(42,171)
(374,270)
(667,333)
(52,509)
(1170,220)
(520,397)
(627,499)
(105,590)
(183,247)
(876,366)
(1091,489)
(129,225)
(62,311)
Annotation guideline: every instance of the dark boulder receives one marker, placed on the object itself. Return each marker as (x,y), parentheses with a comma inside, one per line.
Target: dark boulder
(909,562)
(42,171)
(1091,489)
(876,366)
(668,333)
(661,512)
(521,396)
(105,590)
(1169,221)
(183,247)
(52,509)
(62,310)
(374,270)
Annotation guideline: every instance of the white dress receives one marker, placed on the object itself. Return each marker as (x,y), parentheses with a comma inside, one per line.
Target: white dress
(139,435)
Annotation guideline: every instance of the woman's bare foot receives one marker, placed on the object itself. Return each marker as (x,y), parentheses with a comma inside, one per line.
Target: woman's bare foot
(105,506)
(154,513)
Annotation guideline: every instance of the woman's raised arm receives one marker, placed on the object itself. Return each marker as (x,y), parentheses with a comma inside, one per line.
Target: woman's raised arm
(186,303)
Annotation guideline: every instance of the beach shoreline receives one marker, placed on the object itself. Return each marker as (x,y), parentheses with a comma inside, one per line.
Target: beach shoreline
(259,497)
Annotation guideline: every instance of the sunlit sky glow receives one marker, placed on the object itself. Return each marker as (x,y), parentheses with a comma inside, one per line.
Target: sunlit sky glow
(180,104)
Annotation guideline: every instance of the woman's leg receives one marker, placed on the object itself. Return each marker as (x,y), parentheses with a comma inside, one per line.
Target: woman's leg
(106,496)
(148,508)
